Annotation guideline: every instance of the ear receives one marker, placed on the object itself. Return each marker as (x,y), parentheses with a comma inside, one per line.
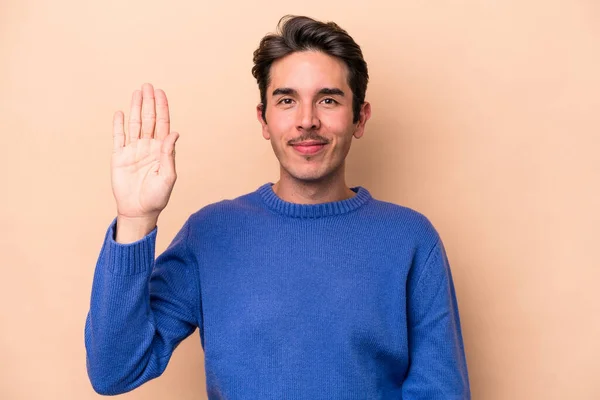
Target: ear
(263,122)
(365,114)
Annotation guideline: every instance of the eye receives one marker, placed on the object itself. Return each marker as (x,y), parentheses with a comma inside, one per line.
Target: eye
(329,101)
(286,101)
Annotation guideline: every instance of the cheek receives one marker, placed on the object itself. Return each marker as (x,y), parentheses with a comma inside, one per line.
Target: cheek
(338,120)
(339,128)
(342,143)
(280,125)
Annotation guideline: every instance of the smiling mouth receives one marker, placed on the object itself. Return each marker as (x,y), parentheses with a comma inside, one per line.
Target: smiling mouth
(309,148)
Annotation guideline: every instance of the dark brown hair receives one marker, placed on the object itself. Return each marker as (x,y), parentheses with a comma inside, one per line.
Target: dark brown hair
(297,33)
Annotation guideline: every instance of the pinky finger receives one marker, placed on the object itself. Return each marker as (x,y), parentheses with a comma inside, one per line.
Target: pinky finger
(118,131)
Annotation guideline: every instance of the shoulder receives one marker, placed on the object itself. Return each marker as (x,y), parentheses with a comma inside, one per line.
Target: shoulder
(409,228)
(402,219)
(225,211)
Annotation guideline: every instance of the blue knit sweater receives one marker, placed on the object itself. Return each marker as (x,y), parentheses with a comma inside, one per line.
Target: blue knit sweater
(345,300)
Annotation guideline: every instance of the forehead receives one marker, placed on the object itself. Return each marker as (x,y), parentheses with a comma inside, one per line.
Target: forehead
(308,70)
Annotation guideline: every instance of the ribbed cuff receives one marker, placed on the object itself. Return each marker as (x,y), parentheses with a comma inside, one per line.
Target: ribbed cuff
(131,258)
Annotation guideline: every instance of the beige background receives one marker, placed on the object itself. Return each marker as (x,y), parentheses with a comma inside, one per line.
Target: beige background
(485,119)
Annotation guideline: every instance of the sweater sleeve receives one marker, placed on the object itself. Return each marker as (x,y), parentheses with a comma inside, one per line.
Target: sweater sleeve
(140,310)
(438,368)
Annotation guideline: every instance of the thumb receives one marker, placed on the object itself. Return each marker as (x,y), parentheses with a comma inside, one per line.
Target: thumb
(167,154)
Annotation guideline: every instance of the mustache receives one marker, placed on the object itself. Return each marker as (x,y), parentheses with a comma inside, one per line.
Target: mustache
(308,136)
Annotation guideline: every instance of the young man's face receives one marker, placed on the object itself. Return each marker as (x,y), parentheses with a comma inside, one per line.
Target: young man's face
(309,115)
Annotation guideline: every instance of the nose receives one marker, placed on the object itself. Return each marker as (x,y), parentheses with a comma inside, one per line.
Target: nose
(308,119)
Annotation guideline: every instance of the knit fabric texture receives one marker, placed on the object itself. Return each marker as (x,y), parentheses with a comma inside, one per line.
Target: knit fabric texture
(352,299)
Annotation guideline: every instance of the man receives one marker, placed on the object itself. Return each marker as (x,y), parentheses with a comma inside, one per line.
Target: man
(302,289)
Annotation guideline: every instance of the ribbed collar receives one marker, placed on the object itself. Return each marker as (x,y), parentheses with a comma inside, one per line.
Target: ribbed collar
(295,210)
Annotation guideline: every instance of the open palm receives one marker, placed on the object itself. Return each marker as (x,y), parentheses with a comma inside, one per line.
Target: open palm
(143,161)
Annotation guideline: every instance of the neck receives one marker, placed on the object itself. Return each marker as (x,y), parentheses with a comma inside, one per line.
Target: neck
(328,189)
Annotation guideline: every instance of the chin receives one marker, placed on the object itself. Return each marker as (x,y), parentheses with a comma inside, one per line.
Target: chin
(309,176)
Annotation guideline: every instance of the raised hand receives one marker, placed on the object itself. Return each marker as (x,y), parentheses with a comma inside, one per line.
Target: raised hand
(143,160)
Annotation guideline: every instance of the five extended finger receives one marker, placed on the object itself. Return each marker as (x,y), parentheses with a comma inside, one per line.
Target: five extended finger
(135,117)
(118,131)
(163,122)
(148,111)
(167,154)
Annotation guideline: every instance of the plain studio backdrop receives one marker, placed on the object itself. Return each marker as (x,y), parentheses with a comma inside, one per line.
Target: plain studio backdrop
(485,119)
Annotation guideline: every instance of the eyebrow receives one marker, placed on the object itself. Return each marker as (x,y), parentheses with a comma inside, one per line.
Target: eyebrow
(290,91)
(332,91)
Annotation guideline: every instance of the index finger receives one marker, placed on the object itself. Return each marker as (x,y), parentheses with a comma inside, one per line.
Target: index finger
(118,131)
(163,122)
(135,122)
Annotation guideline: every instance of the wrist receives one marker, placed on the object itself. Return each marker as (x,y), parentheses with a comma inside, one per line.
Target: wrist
(132,229)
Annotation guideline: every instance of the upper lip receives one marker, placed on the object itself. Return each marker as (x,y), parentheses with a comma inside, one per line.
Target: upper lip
(309,143)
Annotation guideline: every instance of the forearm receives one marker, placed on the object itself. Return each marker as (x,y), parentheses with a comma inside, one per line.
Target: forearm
(140,309)
(438,367)
(120,328)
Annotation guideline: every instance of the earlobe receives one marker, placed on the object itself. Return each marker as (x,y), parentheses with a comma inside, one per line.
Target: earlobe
(265,132)
(358,132)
